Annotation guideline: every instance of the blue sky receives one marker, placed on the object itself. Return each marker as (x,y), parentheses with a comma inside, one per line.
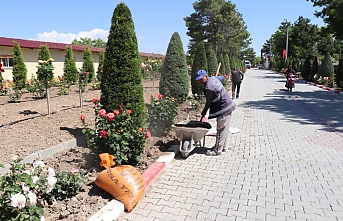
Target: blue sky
(155,21)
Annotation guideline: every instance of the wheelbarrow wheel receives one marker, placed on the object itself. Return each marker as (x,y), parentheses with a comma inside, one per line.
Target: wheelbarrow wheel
(185,148)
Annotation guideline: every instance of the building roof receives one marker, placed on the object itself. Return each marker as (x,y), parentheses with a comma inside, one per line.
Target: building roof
(9,42)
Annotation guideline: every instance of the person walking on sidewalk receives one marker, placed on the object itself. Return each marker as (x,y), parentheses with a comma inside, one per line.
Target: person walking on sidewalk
(236,79)
(221,107)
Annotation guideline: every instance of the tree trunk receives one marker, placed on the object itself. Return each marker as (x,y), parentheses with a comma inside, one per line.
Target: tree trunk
(80,92)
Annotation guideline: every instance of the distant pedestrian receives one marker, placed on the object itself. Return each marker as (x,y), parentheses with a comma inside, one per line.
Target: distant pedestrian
(221,106)
(237,77)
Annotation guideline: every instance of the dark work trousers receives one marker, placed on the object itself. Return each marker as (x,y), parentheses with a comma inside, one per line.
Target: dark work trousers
(234,86)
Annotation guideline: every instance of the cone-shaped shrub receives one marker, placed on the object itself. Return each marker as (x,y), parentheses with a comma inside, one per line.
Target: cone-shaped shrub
(19,71)
(43,55)
(306,69)
(326,68)
(212,62)
(227,64)
(199,63)
(339,74)
(174,76)
(100,65)
(70,71)
(314,68)
(222,64)
(88,65)
(121,80)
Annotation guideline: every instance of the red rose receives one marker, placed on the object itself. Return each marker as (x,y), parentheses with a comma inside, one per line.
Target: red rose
(82,117)
(129,112)
(95,100)
(103,133)
(140,130)
(118,131)
(116,112)
(159,96)
(147,134)
(102,112)
(110,117)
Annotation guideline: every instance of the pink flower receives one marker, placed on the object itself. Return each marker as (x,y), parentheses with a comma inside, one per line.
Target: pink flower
(128,112)
(102,112)
(74,170)
(159,96)
(95,100)
(103,133)
(116,112)
(140,130)
(110,117)
(84,72)
(147,134)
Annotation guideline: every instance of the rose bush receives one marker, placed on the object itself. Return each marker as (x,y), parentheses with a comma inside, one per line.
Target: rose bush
(24,188)
(115,133)
(161,114)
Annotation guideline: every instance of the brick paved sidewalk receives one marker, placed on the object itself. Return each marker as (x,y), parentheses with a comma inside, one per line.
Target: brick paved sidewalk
(285,164)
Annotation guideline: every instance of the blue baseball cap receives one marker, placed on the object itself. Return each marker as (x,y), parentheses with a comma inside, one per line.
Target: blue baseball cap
(200,74)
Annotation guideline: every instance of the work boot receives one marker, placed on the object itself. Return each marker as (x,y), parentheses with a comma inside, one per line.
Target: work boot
(233,95)
(212,153)
(237,96)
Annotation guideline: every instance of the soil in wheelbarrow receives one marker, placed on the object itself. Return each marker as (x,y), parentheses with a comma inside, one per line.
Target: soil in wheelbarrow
(194,124)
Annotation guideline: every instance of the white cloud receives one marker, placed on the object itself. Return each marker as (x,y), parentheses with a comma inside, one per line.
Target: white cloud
(54,36)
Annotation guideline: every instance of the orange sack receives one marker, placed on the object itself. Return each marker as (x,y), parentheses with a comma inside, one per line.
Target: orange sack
(124,183)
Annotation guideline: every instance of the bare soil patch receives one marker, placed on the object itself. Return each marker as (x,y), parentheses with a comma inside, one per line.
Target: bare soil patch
(25,128)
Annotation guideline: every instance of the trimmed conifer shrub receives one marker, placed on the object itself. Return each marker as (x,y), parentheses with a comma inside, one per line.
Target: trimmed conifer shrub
(121,80)
(19,71)
(212,62)
(339,73)
(222,64)
(43,55)
(174,77)
(88,65)
(314,68)
(199,63)
(70,71)
(227,64)
(326,68)
(306,69)
(100,65)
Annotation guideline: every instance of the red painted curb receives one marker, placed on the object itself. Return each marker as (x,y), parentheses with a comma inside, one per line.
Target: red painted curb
(152,172)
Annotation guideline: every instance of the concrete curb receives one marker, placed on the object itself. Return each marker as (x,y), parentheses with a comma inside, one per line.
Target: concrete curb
(42,154)
(114,208)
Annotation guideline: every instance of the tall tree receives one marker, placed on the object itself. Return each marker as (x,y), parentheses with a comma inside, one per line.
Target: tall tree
(70,71)
(121,81)
(227,64)
(219,24)
(19,71)
(339,74)
(99,43)
(88,65)
(212,62)
(304,34)
(331,13)
(174,76)
(43,55)
(199,63)
(325,43)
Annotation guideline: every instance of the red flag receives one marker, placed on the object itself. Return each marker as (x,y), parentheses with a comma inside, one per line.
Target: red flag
(284,53)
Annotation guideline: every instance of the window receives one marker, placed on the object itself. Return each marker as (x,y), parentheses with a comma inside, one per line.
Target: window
(6,61)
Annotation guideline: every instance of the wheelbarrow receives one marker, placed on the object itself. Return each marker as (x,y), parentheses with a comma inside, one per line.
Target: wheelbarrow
(190,134)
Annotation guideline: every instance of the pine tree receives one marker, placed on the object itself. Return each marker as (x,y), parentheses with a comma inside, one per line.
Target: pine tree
(212,62)
(314,68)
(70,70)
(326,68)
(19,71)
(222,64)
(339,74)
(43,55)
(199,63)
(100,65)
(121,81)
(174,76)
(88,65)
(306,69)
(227,64)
